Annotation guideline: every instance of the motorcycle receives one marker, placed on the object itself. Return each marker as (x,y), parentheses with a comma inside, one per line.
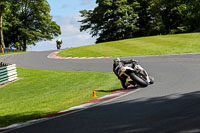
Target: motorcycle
(132,72)
(58,45)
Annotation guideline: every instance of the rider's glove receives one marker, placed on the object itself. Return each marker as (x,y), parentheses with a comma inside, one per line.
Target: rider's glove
(122,69)
(133,60)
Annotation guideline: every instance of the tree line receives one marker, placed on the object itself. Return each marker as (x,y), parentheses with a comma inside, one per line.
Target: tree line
(122,19)
(26,22)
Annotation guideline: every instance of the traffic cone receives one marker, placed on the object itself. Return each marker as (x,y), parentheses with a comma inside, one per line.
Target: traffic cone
(3,50)
(94,94)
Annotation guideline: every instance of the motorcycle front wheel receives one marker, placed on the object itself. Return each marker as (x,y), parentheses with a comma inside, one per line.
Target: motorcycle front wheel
(58,46)
(138,80)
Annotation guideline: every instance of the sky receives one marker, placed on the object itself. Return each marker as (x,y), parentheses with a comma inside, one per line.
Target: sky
(66,14)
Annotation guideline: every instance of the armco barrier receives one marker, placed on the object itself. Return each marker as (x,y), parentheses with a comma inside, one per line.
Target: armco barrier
(7,50)
(8,73)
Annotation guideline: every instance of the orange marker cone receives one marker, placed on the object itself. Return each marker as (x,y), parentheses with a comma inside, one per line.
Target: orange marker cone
(94,94)
(3,50)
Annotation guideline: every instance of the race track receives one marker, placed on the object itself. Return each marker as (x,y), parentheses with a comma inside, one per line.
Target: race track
(170,105)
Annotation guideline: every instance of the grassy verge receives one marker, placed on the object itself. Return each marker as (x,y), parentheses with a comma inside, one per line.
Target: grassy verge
(40,92)
(155,45)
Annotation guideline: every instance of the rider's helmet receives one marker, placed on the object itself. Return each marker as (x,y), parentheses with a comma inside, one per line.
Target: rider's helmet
(117,60)
(59,40)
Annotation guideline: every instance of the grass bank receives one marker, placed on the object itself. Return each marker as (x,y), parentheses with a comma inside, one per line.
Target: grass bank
(155,45)
(40,92)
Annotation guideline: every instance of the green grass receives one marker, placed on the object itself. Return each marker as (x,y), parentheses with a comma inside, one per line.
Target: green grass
(41,92)
(155,45)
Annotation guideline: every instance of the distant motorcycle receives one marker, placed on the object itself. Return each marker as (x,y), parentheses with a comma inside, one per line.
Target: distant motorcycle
(58,42)
(130,72)
(58,45)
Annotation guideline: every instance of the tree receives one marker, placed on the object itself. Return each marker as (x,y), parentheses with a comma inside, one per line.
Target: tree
(30,22)
(175,16)
(167,15)
(121,19)
(111,20)
(145,19)
(3,5)
(1,29)
(11,24)
(192,15)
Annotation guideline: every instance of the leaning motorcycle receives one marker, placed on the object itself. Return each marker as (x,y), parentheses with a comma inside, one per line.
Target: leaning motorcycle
(136,74)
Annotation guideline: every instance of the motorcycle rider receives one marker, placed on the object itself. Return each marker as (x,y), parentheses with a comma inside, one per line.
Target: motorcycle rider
(116,67)
(58,42)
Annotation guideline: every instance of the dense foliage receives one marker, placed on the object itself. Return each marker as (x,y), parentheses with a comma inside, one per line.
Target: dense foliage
(121,19)
(26,22)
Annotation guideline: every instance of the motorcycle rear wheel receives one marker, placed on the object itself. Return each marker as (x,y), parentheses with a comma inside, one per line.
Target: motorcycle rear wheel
(151,80)
(138,80)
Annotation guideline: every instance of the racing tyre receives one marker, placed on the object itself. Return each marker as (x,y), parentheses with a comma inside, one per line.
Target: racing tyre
(58,46)
(138,80)
(151,80)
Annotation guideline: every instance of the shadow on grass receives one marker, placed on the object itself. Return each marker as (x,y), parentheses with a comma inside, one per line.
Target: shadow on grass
(121,89)
(18,118)
(176,113)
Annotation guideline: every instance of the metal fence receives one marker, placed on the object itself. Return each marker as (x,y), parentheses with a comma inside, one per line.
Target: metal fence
(7,50)
(8,73)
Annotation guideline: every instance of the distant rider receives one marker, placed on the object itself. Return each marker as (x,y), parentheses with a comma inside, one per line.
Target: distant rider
(58,42)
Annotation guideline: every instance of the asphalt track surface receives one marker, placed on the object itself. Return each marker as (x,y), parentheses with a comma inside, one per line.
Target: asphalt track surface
(171,105)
